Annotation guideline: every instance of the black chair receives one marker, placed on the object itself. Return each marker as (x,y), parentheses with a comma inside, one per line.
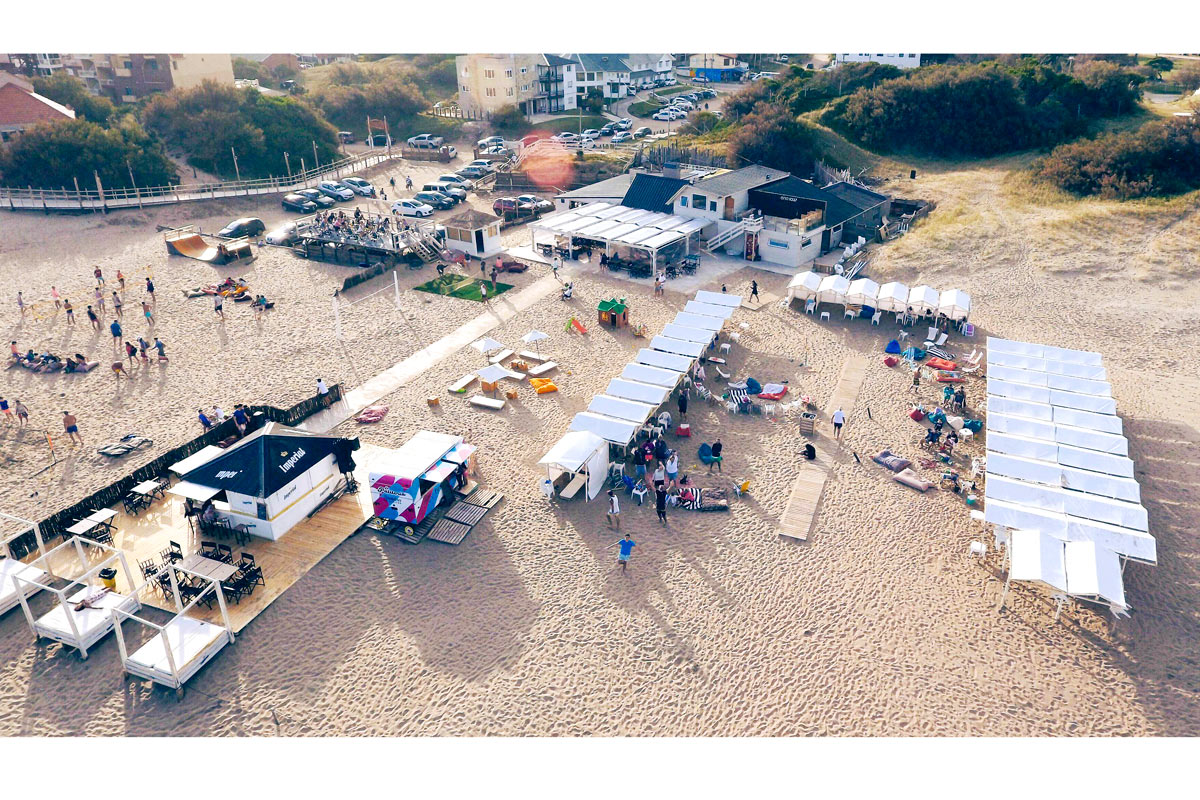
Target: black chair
(99,534)
(254,574)
(149,568)
(225,553)
(209,550)
(247,560)
(175,553)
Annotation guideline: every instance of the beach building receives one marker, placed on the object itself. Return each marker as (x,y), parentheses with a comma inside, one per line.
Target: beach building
(475,233)
(21,107)
(717,67)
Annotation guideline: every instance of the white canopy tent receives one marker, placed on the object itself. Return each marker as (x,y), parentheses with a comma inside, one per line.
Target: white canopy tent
(582,455)
(636,390)
(1068,501)
(923,300)
(1077,569)
(955,304)
(652,375)
(863,292)
(687,334)
(833,289)
(1053,474)
(682,347)
(617,225)
(719,298)
(699,321)
(618,431)
(893,297)
(669,361)
(1063,434)
(803,286)
(487,345)
(618,408)
(708,309)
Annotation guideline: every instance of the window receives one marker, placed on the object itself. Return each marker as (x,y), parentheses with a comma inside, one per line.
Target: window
(508,73)
(509,91)
(490,92)
(591,76)
(524,70)
(699,201)
(128,64)
(683,202)
(805,242)
(777,243)
(489,73)
(712,205)
(465,88)
(175,65)
(151,64)
(525,88)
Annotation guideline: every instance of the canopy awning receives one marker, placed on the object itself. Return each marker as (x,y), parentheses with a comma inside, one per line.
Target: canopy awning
(670,361)
(617,431)
(620,409)
(573,450)
(636,390)
(460,453)
(833,289)
(703,322)
(719,298)
(893,297)
(681,346)
(863,292)
(663,239)
(194,491)
(687,334)
(651,375)
(804,285)
(954,303)
(202,456)
(708,309)
(923,300)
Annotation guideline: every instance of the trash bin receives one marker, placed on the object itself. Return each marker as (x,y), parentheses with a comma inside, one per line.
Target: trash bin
(108,578)
(912,174)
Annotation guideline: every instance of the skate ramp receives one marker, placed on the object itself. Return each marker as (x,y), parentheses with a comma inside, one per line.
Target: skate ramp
(193,246)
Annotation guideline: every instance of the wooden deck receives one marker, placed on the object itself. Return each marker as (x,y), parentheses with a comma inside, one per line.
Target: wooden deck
(805,499)
(283,562)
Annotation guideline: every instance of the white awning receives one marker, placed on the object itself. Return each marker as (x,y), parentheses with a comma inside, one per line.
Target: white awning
(923,299)
(893,297)
(638,237)
(689,226)
(681,346)
(833,289)
(687,334)
(1067,501)
(620,409)
(954,303)
(663,239)
(703,322)
(719,298)
(1094,572)
(1063,434)
(600,228)
(863,292)
(708,309)
(200,457)
(617,431)
(1134,544)
(1054,474)
(671,361)
(194,491)
(1034,556)
(652,375)
(804,285)
(636,390)
(573,450)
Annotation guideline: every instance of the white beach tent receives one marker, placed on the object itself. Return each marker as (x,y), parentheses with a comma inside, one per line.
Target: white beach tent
(1053,474)
(1092,372)
(1079,569)
(893,297)
(687,334)
(1063,434)
(671,361)
(955,304)
(719,298)
(618,408)
(1067,501)
(699,321)
(682,347)
(923,300)
(863,292)
(636,390)
(708,309)
(652,375)
(804,286)
(833,289)
(618,431)
(1137,545)
(582,454)
(202,456)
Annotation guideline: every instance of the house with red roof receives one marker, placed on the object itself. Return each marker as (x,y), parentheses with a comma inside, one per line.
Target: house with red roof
(21,107)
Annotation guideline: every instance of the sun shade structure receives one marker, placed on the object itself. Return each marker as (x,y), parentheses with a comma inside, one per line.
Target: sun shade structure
(82,612)
(617,431)
(719,298)
(833,289)
(534,336)
(680,346)
(863,292)
(582,456)
(923,300)
(804,286)
(35,573)
(669,361)
(494,372)
(684,333)
(636,390)
(620,409)
(1058,471)
(652,375)
(208,453)
(708,309)
(617,226)
(955,304)
(699,321)
(893,297)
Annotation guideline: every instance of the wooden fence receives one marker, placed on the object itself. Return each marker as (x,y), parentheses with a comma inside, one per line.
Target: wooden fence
(105,199)
(58,522)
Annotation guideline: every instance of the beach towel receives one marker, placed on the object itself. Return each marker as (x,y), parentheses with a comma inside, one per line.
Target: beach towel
(753,386)
(938,352)
(740,397)
(126,445)
(890,361)
(704,500)
(893,347)
(891,461)
(372,414)
(941,363)
(943,376)
(914,353)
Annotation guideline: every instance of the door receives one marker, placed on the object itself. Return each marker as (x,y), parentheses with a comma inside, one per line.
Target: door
(825,234)
(479,242)
(729,208)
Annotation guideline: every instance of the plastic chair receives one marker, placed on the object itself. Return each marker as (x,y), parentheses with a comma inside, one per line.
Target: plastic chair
(810,306)
(639,492)
(875,319)
(824,316)
(849,314)
(724,348)
(978,549)
(741,488)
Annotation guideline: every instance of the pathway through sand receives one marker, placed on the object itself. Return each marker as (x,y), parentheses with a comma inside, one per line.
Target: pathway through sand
(805,499)
(374,389)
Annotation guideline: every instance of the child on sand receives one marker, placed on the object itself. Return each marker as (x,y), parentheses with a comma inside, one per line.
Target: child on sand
(93,319)
(121,278)
(117,304)
(614,511)
(7,411)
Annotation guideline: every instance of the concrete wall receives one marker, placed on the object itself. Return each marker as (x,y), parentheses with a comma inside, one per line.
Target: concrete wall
(787,249)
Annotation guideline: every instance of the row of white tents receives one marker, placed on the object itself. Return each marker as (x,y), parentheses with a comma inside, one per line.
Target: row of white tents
(1060,484)
(616,416)
(895,297)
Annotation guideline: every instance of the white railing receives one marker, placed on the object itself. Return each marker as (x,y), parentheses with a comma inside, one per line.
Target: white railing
(105,199)
(725,236)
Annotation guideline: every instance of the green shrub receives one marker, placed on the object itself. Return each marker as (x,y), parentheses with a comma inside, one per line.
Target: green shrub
(70,91)
(54,155)
(772,136)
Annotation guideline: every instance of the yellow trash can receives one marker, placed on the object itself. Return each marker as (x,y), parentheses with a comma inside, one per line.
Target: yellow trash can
(108,578)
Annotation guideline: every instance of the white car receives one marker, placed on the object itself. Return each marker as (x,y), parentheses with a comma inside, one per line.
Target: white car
(533,202)
(359,186)
(566,137)
(490,141)
(411,208)
(685,104)
(484,164)
(624,124)
(590,134)
(456,179)
(335,190)
(622,136)
(663,115)
(426,140)
(283,235)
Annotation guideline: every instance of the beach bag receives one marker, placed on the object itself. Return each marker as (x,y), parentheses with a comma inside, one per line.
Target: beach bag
(753,386)
(916,415)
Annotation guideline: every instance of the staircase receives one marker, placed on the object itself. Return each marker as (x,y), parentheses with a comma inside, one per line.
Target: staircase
(747,225)
(423,244)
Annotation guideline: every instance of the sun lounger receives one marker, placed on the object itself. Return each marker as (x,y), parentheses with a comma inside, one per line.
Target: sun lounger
(503,354)
(912,479)
(572,488)
(193,643)
(463,383)
(540,368)
(8,588)
(487,402)
(529,355)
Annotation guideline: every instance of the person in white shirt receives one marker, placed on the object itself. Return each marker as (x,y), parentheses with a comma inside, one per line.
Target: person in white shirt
(839,419)
(614,511)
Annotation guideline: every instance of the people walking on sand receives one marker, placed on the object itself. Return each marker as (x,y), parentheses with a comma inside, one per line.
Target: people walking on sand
(118,370)
(22,413)
(71,426)
(70,309)
(483,292)
(54,297)
(12,347)
(118,306)
(754,291)
(8,414)
(116,333)
(92,318)
(717,447)
(613,516)
(121,279)
(161,348)
(219,305)
(143,346)
(150,289)
(147,313)
(673,468)
(100,304)
(99,274)
(407,183)
(916,384)
(660,504)
(839,419)
(130,352)
(626,546)
(21,303)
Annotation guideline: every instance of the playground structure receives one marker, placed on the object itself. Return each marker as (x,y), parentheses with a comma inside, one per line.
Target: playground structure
(188,241)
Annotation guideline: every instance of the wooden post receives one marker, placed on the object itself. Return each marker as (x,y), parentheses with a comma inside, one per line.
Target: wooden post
(78,194)
(100,191)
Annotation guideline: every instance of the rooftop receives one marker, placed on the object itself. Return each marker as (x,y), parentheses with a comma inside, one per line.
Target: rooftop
(858,196)
(837,210)
(616,186)
(740,180)
(652,192)
(21,106)
(471,219)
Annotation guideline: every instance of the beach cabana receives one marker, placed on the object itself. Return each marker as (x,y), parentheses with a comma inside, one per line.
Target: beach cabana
(804,286)
(34,571)
(699,321)
(82,612)
(663,360)
(893,297)
(719,298)
(1070,569)
(923,300)
(955,304)
(687,334)
(636,390)
(619,408)
(652,375)
(863,292)
(708,309)
(272,479)
(617,431)
(833,289)
(183,644)
(681,346)
(578,460)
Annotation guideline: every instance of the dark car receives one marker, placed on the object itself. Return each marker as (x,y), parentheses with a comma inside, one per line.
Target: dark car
(316,197)
(246,226)
(296,202)
(435,199)
(609,129)
(640,132)
(508,205)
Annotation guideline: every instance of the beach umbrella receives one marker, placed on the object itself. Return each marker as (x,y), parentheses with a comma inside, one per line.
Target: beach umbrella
(533,337)
(863,292)
(487,345)
(955,304)
(923,300)
(893,297)
(833,289)
(804,286)
(492,373)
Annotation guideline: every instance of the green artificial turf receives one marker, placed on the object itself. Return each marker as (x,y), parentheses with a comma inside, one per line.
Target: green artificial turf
(461,287)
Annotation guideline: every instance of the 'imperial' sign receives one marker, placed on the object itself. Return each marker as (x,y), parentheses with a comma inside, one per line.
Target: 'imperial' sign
(291,462)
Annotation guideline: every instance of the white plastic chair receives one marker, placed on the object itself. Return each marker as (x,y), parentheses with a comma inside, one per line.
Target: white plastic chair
(548,489)
(875,319)
(849,314)
(932,335)
(978,549)
(824,316)
(810,307)
(724,348)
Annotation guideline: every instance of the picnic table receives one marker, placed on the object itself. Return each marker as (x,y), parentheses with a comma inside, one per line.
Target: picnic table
(142,496)
(209,567)
(101,519)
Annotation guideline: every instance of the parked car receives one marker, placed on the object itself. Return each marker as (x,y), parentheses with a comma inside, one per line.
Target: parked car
(530,139)
(495,150)
(783,59)
(624,124)
(335,190)
(565,137)
(285,234)
(474,173)
(490,141)
(359,186)
(450,152)
(435,199)
(622,136)
(662,114)
(381,140)
(317,199)
(346,137)
(427,141)
(452,190)
(411,208)
(687,104)
(590,133)
(508,205)
(246,226)
(485,164)
(642,131)
(460,180)
(295,202)
(535,203)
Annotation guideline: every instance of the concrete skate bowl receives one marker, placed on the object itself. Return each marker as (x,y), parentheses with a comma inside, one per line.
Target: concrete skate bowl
(190,243)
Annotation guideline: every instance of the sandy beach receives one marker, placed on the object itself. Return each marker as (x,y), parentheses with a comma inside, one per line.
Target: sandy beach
(879,624)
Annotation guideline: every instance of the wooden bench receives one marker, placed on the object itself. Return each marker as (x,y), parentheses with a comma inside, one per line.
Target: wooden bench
(541,368)
(486,402)
(463,383)
(503,354)
(529,355)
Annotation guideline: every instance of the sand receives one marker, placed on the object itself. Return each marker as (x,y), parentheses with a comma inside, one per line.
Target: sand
(879,625)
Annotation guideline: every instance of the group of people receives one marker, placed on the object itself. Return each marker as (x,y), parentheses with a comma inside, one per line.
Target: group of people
(368,229)
(99,305)
(209,420)
(136,353)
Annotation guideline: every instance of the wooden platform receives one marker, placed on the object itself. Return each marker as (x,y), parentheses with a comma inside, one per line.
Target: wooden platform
(765,299)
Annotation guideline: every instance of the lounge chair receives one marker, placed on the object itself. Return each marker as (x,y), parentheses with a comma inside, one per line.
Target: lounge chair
(529,355)
(545,367)
(503,354)
(486,402)
(463,383)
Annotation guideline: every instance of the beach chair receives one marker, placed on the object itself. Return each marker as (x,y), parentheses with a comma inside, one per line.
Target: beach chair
(724,375)
(541,368)
(529,355)
(503,354)
(486,402)
(810,307)
(878,315)
(461,386)
(932,335)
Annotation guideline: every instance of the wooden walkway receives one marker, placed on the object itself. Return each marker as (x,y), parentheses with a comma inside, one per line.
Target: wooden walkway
(805,499)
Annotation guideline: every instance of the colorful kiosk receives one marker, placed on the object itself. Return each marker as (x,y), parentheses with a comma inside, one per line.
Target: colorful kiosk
(408,483)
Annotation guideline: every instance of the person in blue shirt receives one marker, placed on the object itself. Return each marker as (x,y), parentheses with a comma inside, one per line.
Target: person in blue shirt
(626,547)
(240,419)
(116,331)
(204,420)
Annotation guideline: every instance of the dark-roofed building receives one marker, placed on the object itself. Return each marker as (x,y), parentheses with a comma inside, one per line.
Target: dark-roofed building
(652,192)
(798,205)
(724,194)
(873,208)
(611,190)
(606,71)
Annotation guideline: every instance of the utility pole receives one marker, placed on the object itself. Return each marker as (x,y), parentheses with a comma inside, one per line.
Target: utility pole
(287,161)
(236,170)
(316,158)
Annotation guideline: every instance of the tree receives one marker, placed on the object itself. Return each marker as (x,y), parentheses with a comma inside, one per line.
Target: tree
(593,101)
(771,136)
(55,155)
(70,91)
(699,123)
(1187,75)
(282,72)
(1160,64)
(247,69)
(349,105)
(509,119)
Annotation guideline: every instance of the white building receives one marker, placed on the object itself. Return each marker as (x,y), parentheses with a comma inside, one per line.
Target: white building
(901,60)
(607,72)
(646,68)
(535,83)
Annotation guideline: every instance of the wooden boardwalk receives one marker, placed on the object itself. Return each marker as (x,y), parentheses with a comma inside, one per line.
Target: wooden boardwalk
(805,499)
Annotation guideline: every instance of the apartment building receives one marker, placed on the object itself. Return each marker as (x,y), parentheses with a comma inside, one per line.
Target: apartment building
(901,60)
(125,77)
(533,82)
(605,71)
